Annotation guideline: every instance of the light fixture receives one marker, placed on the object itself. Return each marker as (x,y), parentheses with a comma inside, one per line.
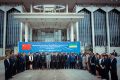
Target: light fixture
(49,6)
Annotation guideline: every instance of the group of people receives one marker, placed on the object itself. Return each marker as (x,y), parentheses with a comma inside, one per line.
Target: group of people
(96,64)
(101,65)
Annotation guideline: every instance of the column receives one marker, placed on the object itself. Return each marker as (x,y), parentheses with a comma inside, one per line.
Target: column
(108,34)
(72,32)
(66,8)
(4,34)
(31,34)
(77,31)
(60,35)
(21,27)
(26,32)
(31,8)
(93,34)
(68,34)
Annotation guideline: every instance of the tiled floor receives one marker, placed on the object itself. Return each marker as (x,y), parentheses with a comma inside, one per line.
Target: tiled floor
(61,74)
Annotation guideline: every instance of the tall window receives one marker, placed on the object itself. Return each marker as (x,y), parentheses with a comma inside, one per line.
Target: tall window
(85,30)
(114,24)
(12,30)
(100,28)
(1,27)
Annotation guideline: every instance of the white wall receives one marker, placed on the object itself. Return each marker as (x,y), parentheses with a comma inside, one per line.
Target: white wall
(1,51)
(100,50)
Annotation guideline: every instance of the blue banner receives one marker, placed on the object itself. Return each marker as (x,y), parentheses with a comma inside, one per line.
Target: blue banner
(33,47)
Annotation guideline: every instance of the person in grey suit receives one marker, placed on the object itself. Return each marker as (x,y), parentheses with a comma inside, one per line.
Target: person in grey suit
(48,60)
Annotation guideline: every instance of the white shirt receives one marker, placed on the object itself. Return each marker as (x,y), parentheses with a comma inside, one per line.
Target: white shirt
(30,58)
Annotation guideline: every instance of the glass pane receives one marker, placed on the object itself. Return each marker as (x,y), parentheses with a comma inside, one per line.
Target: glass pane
(100,28)
(12,30)
(1,27)
(85,30)
(114,24)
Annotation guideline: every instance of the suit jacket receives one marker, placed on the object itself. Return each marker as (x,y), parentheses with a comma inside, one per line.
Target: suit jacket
(107,64)
(27,58)
(114,65)
(7,65)
(115,54)
(93,60)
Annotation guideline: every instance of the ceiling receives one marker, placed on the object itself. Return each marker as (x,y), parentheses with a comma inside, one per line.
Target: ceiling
(58,25)
(71,3)
(47,20)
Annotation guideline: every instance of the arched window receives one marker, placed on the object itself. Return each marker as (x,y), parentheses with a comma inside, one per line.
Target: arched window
(1,27)
(100,28)
(114,24)
(12,30)
(85,29)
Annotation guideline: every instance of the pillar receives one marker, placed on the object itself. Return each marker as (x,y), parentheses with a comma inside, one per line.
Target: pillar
(108,34)
(66,8)
(26,32)
(93,32)
(72,32)
(60,35)
(21,27)
(77,31)
(4,34)
(31,34)
(31,9)
(68,32)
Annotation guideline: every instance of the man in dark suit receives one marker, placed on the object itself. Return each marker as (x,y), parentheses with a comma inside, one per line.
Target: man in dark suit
(7,68)
(27,62)
(39,61)
(102,67)
(43,58)
(58,61)
(34,60)
(114,53)
(107,66)
(62,60)
(12,63)
(54,58)
(93,64)
(113,68)
(65,60)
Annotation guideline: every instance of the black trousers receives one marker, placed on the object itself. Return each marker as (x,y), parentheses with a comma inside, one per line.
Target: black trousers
(72,65)
(114,75)
(93,69)
(27,65)
(7,74)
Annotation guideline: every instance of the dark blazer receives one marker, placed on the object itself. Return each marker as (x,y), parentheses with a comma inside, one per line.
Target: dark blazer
(6,64)
(93,60)
(114,69)
(115,54)
(107,64)
(7,69)
(114,65)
